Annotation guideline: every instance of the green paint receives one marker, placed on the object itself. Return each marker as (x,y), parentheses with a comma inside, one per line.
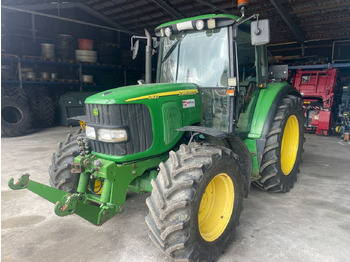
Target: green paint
(51,194)
(251,144)
(84,206)
(121,94)
(106,192)
(156,105)
(142,183)
(83,182)
(116,181)
(265,100)
(172,120)
(246,115)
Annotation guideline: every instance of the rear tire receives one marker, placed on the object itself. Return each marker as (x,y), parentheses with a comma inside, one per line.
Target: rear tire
(196,202)
(283,148)
(60,170)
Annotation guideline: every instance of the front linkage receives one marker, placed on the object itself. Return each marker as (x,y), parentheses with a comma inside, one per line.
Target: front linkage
(109,200)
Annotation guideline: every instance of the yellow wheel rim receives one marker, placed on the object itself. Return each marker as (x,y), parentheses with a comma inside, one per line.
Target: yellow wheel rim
(216,207)
(290,144)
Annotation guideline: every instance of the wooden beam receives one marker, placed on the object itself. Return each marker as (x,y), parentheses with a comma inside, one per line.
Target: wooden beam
(333,35)
(298,48)
(319,7)
(326,21)
(325,13)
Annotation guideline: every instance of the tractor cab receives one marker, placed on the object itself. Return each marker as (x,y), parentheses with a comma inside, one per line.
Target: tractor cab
(215,52)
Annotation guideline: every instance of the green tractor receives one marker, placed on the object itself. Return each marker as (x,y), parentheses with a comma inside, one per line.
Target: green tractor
(211,125)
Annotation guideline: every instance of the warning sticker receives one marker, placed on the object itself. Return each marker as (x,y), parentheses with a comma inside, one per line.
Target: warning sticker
(188,103)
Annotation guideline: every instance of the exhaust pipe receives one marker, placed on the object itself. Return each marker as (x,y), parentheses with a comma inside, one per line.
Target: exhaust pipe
(148,65)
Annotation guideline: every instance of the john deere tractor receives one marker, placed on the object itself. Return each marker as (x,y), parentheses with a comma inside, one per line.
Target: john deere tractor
(211,125)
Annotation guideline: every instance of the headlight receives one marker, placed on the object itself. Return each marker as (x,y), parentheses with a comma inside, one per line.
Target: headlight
(90,132)
(112,135)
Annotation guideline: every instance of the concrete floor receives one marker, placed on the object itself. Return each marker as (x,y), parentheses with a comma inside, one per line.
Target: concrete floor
(310,223)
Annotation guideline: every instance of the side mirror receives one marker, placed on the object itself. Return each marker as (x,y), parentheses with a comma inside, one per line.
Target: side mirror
(260,32)
(135,49)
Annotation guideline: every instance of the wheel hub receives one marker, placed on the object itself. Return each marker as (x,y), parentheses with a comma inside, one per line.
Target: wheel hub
(216,207)
(290,144)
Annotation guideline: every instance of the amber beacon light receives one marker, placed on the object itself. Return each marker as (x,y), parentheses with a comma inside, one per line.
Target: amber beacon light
(242,5)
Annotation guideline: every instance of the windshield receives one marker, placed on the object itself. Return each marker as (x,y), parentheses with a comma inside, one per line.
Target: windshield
(199,57)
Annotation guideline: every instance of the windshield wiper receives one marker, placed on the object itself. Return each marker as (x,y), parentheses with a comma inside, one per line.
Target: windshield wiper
(172,48)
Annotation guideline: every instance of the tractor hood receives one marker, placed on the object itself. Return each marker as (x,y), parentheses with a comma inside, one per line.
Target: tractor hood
(132,94)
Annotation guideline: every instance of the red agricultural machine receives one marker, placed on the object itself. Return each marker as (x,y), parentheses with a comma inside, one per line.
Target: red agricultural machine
(319,91)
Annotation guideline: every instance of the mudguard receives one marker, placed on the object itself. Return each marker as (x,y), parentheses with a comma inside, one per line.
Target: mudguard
(231,141)
(268,101)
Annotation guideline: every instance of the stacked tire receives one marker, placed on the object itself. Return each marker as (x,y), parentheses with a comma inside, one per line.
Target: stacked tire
(43,108)
(16,116)
(22,110)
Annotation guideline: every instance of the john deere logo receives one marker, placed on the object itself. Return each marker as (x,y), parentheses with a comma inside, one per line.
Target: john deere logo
(95,112)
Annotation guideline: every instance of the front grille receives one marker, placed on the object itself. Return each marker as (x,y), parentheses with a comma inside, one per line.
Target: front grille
(134,116)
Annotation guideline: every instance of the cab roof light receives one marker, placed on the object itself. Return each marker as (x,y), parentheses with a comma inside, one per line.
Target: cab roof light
(200,24)
(196,24)
(184,26)
(211,23)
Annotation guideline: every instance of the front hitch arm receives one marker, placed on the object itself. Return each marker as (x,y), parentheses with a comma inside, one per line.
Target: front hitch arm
(66,203)
(97,209)
(47,192)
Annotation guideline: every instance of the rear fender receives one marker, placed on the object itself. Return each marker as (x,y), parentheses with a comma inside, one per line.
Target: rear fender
(268,101)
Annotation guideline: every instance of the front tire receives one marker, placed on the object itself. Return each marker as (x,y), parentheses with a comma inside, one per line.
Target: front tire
(60,169)
(196,202)
(283,148)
